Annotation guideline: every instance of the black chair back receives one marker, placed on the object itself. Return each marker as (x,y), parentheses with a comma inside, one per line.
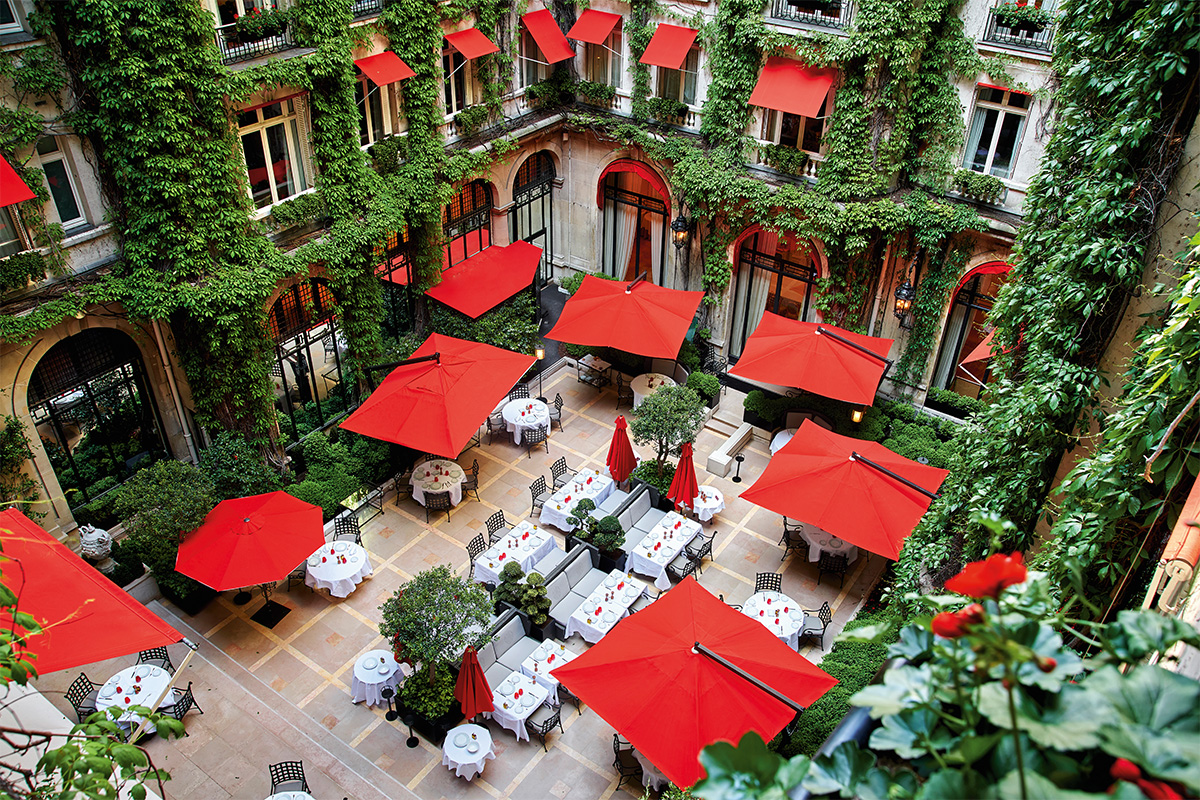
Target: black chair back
(81,694)
(496,523)
(559,469)
(532,437)
(825,614)
(538,491)
(437,501)
(768,582)
(185,701)
(832,564)
(159,657)
(519,392)
(476,546)
(286,772)
(346,527)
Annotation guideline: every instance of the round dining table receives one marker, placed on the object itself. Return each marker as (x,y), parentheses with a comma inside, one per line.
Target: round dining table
(338,567)
(820,541)
(438,475)
(780,614)
(293,795)
(467,749)
(373,672)
(708,501)
(139,685)
(645,385)
(524,414)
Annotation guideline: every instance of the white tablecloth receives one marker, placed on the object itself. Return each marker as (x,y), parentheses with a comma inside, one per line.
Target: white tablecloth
(651,777)
(459,758)
(535,415)
(645,385)
(785,624)
(525,544)
(428,477)
(123,690)
(558,506)
(598,364)
(781,438)
(513,717)
(291,796)
(368,681)
(818,541)
(661,545)
(710,501)
(538,665)
(338,567)
(613,601)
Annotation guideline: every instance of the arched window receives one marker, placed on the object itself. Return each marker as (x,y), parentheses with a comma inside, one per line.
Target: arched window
(532,216)
(966,328)
(772,275)
(467,223)
(94,412)
(635,228)
(308,356)
(395,271)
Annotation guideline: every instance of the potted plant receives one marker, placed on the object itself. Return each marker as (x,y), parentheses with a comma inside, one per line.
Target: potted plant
(534,604)
(597,94)
(258,24)
(707,386)
(1022,17)
(609,538)
(667,109)
(509,590)
(665,420)
(584,524)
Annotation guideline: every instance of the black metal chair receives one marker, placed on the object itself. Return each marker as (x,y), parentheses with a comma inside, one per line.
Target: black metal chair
(82,694)
(816,623)
(532,437)
(768,582)
(346,527)
(734,606)
(437,501)
(702,551)
(185,701)
(556,411)
(565,695)
(681,566)
(158,657)
(519,392)
(496,427)
(624,761)
(831,564)
(288,772)
(560,472)
(624,391)
(298,575)
(539,492)
(497,526)
(792,541)
(543,720)
(402,484)
(470,483)
(475,549)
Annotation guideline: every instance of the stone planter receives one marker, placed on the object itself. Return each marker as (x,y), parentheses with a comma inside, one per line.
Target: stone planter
(194,602)
(434,730)
(144,589)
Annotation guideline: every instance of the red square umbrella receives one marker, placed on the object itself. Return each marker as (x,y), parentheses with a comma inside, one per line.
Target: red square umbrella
(436,401)
(684,488)
(636,317)
(818,358)
(471,689)
(621,459)
(688,671)
(852,488)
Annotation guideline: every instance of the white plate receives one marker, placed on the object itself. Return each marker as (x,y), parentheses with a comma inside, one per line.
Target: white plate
(631,591)
(339,546)
(539,655)
(506,685)
(370,663)
(610,581)
(473,747)
(461,740)
(526,702)
(609,616)
(384,670)
(108,691)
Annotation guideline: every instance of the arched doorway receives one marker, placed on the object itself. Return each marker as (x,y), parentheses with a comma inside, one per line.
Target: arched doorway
(467,223)
(532,216)
(309,350)
(91,405)
(773,274)
(395,273)
(966,328)
(635,222)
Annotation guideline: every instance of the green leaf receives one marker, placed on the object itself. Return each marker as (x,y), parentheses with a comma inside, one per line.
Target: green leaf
(737,773)
(1069,723)
(1169,756)
(910,733)
(1137,634)
(841,770)
(1038,788)
(916,643)
(952,784)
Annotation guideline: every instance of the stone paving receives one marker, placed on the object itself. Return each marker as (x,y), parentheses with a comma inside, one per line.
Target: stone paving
(280,694)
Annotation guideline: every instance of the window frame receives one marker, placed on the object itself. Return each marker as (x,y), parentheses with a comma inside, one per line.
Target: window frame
(612,49)
(772,126)
(382,95)
(1002,109)
(749,259)
(295,131)
(19,238)
(61,155)
(449,94)
(530,58)
(663,76)
(16,26)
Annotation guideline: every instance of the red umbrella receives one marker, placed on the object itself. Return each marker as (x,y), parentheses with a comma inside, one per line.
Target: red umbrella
(818,358)
(621,459)
(650,680)
(251,540)
(636,317)
(852,488)
(436,401)
(683,487)
(472,690)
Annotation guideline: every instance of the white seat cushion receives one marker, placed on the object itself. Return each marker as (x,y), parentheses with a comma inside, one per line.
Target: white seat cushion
(518,653)
(589,583)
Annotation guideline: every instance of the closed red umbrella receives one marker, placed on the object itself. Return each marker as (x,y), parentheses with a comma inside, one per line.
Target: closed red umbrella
(471,690)
(621,459)
(684,488)
(852,488)
(651,679)
(251,540)
(436,401)
(818,358)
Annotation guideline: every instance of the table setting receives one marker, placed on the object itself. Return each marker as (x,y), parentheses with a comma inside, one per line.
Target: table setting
(781,438)
(607,605)
(525,544)
(374,671)
(538,665)
(661,545)
(779,613)
(437,475)
(138,685)
(338,567)
(467,749)
(291,796)
(514,700)
(645,385)
(821,541)
(524,414)
(708,502)
(587,484)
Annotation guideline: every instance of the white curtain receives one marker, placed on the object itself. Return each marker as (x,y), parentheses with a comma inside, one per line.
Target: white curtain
(948,362)
(656,251)
(626,238)
(752,292)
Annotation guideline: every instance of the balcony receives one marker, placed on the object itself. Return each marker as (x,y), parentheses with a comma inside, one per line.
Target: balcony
(765,155)
(234,49)
(821,13)
(367,8)
(1027,36)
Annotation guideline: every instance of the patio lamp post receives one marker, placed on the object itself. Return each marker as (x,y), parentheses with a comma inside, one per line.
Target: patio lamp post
(681,228)
(540,352)
(906,293)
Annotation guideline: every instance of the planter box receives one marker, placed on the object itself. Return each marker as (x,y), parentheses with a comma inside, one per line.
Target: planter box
(194,603)
(608,562)
(144,589)
(543,633)
(434,730)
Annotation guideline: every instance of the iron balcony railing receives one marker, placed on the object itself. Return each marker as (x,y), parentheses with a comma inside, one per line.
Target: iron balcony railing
(1023,36)
(234,48)
(367,8)
(823,13)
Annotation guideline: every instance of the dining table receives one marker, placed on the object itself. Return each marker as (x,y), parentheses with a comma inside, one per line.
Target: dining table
(708,501)
(647,384)
(375,671)
(587,484)
(139,685)
(338,567)
(661,545)
(652,777)
(292,795)
(526,544)
(514,699)
(607,605)
(780,614)
(524,414)
(437,475)
(782,438)
(820,541)
(545,658)
(467,749)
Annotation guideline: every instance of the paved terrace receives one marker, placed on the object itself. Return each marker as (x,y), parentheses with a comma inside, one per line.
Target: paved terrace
(284,693)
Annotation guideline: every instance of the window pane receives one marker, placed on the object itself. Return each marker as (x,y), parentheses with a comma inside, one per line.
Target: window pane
(280,164)
(375,104)
(47,145)
(989,95)
(298,163)
(614,41)
(9,243)
(1006,145)
(272,111)
(982,128)
(813,128)
(1018,100)
(256,168)
(668,83)
(789,130)
(247,118)
(364,135)
(596,67)
(7,17)
(60,190)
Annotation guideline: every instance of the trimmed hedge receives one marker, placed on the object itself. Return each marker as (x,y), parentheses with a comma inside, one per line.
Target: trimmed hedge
(707,386)
(961,404)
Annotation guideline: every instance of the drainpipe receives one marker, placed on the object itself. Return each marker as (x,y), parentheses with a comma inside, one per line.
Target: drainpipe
(170,370)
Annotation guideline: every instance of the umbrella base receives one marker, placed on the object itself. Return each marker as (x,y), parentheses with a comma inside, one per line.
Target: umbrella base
(270,614)
(241,598)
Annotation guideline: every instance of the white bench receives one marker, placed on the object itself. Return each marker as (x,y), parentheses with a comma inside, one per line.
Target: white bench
(719,460)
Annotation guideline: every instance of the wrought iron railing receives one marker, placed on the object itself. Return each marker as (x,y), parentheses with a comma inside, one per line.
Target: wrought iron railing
(234,48)
(1026,36)
(824,13)
(367,8)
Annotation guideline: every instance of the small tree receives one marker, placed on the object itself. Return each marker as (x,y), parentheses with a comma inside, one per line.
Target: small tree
(533,599)
(160,505)
(236,469)
(666,419)
(509,589)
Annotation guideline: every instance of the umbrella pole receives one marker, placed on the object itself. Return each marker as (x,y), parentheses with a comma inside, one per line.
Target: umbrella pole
(854,456)
(193,647)
(825,331)
(699,648)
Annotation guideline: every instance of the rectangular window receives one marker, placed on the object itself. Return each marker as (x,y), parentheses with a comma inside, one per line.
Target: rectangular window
(370,100)
(995,133)
(792,130)
(9,23)
(602,62)
(271,143)
(454,70)
(532,67)
(60,182)
(10,241)
(680,84)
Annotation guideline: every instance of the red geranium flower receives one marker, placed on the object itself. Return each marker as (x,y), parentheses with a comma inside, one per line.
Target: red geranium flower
(1125,770)
(987,578)
(949,625)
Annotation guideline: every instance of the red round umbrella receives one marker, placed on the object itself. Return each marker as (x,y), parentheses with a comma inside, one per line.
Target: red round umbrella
(647,679)
(684,488)
(621,459)
(843,486)
(472,690)
(251,540)
(636,317)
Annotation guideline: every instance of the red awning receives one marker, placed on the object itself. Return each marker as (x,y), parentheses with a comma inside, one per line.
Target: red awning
(465,246)
(639,168)
(86,617)
(669,46)
(789,86)
(487,279)
(593,27)
(549,37)
(12,188)
(990,268)
(385,68)
(471,43)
